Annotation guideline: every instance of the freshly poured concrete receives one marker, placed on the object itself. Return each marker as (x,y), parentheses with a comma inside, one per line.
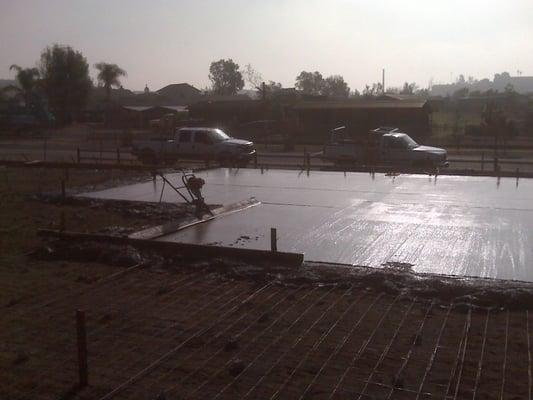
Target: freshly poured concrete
(478,226)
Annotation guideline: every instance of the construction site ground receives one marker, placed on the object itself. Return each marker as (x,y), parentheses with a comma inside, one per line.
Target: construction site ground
(222,329)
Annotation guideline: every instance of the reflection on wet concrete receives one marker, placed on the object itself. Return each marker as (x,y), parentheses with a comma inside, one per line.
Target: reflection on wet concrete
(477,226)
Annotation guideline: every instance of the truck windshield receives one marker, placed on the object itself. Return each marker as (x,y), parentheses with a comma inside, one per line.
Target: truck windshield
(408,142)
(218,136)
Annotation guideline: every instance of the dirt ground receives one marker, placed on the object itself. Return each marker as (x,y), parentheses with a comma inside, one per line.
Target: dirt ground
(222,329)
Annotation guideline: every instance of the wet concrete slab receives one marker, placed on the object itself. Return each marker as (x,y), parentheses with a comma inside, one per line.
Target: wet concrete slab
(475,226)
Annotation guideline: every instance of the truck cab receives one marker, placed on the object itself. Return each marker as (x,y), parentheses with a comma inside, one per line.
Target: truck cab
(381,146)
(196,143)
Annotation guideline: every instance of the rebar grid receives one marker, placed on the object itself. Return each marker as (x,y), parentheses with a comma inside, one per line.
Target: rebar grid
(340,345)
(387,348)
(170,389)
(170,341)
(216,336)
(480,363)
(530,383)
(300,337)
(179,346)
(134,340)
(108,335)
(362,348)
(407,358)
(46,317)
(504,369)
(433,354)
(104,337)
(313,348)
(279,336)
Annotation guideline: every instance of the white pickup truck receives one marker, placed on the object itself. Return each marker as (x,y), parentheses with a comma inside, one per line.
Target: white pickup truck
(195,143)
(383,145)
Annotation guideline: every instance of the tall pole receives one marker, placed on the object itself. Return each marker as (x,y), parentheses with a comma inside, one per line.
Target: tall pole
(383,81)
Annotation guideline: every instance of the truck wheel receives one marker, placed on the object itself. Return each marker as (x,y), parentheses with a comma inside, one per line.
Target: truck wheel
(148,157)
(423,164)
(344,163)
(242,163)
(225,160)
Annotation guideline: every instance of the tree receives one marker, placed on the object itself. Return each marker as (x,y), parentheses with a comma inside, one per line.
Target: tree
(66,81)
(28,80)
(310,82)
(109,76)
(408,88)
(335,86)
(226,77)
(459,93)
(255,80)
(272,86)
(422,92)
(372,91)
(509,89)
(252,77)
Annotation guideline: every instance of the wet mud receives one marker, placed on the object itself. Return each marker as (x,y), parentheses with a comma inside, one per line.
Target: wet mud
(461,291)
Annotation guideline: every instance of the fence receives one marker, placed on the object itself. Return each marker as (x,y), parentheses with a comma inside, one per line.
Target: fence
(100,155)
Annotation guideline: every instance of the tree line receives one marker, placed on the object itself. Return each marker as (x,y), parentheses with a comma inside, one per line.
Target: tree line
(60,83)
(228,79)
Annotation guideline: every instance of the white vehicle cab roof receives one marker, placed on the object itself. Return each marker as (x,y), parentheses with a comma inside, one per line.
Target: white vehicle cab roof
(385,129)
(196,128)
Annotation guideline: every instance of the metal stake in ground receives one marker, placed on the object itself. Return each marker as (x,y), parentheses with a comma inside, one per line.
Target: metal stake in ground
(82,349)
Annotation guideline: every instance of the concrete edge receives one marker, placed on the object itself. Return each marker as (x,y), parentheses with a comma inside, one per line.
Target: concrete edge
(63,164)
(191,251)
(175,226)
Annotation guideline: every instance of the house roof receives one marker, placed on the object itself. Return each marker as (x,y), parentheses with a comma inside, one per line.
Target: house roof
(361,104)
(400,97)
(178,87)
(137,108)
(145,108)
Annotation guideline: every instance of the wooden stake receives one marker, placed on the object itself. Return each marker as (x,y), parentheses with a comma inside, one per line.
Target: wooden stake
(82,349)
(273,240)
(63,193)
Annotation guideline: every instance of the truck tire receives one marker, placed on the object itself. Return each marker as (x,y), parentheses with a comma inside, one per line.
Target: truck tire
(427,163)
(148,157)
(344,162)
(225,160)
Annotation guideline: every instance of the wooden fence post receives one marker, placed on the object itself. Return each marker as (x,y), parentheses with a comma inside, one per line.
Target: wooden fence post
(273,240)
(63,191)
(44,149)
(83,369)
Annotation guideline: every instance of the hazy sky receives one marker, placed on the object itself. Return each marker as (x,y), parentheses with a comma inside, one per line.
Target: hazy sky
(169,41)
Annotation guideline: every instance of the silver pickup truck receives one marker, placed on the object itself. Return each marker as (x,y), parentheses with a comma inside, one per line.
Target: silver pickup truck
(195,143)
(382,146)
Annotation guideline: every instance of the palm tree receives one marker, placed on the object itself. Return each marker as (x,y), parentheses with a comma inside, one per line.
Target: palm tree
(28,79)
(108,76)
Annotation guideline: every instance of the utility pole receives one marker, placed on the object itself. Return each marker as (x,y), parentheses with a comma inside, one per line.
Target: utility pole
(383,81)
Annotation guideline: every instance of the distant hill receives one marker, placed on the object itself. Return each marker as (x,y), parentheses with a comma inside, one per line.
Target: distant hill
(500,83)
